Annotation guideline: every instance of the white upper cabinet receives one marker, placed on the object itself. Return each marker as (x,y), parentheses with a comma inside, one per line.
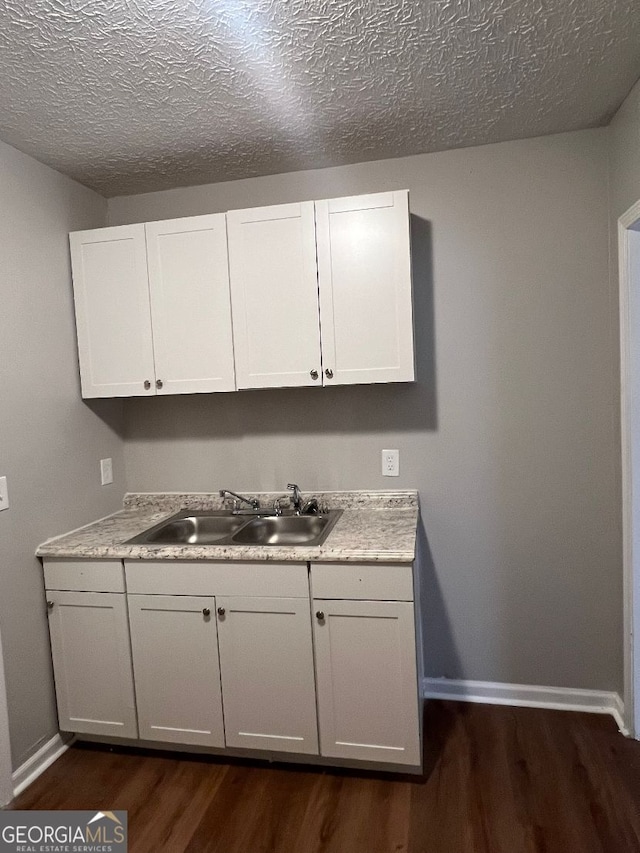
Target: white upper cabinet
(113,321)
(190,304)
(153,309)
(364,275)
(274,293)
(321,292)
(315,293)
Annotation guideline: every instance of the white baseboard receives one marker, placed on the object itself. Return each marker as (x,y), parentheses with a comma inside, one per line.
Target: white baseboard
(527,696)
(38,763)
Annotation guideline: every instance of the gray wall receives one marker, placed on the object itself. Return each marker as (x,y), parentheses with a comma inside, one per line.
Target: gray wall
(625,154)
(50,441)
(509,433)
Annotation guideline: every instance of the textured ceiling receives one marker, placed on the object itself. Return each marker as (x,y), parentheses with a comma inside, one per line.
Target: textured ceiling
(128,96)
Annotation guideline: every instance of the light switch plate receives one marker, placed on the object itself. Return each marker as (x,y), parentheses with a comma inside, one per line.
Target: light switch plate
(106,471)
(390,463)
(4,494)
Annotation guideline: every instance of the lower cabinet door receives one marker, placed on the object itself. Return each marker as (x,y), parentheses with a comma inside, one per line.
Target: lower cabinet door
(92,663)
(266,661)
(367,680)
(176,668)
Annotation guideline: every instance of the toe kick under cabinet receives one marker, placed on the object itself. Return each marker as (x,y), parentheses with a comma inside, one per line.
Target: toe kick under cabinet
(314,662)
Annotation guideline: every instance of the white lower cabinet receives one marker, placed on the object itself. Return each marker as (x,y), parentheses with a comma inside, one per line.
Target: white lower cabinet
(266,660)
(92,663)
(367,681)
(176,669)
(332,673)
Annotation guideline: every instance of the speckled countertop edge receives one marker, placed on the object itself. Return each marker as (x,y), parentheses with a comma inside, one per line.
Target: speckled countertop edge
(374,527)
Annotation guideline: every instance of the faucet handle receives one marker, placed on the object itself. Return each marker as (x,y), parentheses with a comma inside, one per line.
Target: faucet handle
(276,504)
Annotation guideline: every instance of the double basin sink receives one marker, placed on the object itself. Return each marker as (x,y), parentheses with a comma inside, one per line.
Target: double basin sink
(220,527)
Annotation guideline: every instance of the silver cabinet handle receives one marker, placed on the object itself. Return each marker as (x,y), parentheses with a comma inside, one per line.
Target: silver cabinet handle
(328,373)
(159,383)
(147,384)
(50,605)
(206,611)
(314,374)
(320,615)
(221,611)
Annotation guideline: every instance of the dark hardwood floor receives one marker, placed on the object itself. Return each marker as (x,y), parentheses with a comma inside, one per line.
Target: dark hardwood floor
(498,780)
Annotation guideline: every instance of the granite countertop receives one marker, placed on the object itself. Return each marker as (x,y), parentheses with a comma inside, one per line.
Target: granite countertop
(374,527)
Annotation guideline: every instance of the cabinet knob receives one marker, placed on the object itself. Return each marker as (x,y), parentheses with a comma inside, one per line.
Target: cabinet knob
(206,611)
(147,384)
(221,611)
(320,615)
(159,383)
(314,374)
(50,605)
(328,373)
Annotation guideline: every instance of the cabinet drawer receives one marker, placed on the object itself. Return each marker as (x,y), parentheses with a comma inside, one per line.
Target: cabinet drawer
(84,575)
(165,577)
(366,581)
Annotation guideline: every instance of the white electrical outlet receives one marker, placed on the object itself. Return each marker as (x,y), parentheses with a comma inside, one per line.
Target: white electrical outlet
(106,471)
(390,463)
(4,494)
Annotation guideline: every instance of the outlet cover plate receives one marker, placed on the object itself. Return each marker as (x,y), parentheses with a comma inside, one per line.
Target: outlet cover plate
(390,463)
(4,494)
(106,471)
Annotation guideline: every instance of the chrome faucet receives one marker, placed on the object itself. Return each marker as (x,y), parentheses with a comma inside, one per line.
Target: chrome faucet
(296,499)
(310,507)
(252,503)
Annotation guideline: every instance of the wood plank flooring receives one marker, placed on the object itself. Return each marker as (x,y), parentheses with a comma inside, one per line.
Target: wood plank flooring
(497,780)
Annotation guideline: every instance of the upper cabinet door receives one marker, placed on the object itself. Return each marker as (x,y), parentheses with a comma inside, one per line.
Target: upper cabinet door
(190,304)
(364,274)
(111,293)
(274,295)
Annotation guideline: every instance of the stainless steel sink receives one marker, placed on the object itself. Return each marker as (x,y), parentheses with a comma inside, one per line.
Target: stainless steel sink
(287,530)
(211,527)
(200,527)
